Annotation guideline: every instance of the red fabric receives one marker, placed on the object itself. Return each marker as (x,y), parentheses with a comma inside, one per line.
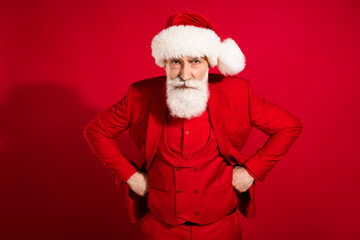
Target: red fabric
(186,137)
(234,108)
(100,134)
(190,19)
(227,228)
(186,190)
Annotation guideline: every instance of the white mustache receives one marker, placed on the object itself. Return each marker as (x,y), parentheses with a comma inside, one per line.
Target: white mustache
(179,83)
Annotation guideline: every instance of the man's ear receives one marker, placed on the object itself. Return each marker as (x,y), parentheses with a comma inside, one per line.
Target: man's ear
(207,61)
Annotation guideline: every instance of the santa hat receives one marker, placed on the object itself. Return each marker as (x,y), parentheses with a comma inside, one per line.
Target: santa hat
(190,34)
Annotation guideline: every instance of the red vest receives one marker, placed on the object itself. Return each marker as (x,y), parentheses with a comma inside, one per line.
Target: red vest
(198,189)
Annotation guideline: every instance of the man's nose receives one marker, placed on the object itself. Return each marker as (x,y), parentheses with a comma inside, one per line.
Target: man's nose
(185,72)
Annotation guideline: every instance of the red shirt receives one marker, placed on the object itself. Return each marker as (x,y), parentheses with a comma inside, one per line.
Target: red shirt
(186,137)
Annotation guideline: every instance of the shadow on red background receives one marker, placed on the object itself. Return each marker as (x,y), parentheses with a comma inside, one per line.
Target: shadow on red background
(52,186)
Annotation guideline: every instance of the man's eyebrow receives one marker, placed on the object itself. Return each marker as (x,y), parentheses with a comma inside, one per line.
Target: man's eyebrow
(174,59)
(200,59)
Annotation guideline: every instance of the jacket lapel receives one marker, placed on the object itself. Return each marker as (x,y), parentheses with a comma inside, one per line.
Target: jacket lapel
(217,119)
(155,124)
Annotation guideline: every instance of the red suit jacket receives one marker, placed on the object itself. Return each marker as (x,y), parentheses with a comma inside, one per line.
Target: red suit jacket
(234,108)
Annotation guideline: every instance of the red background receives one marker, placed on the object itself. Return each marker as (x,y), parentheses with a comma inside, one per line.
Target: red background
(62,62)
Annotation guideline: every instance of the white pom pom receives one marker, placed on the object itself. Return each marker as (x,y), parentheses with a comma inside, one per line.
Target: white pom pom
(231,60)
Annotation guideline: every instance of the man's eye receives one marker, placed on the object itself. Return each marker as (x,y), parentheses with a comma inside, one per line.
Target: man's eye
(196,61)
(174,62)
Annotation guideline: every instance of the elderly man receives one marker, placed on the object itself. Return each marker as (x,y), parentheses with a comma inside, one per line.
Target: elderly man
(191,180)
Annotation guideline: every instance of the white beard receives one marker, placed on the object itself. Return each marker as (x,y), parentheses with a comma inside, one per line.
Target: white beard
(187,102)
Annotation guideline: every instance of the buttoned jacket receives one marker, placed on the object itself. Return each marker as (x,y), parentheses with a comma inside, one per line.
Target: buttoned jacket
(234,108)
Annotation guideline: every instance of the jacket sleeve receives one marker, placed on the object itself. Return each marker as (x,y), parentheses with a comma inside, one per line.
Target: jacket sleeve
(101,132)
(282,128)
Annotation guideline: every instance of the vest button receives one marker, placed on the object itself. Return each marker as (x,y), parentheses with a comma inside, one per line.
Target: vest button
(178,191)
(197,213)
(178,169)
(196,191)
(196,169)
(187,132)
(178,213)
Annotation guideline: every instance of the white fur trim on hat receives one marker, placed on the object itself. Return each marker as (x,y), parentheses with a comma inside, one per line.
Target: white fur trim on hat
(182,41)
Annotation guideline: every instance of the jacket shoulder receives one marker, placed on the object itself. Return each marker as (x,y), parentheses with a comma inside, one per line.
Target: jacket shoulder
(149,84)
(228,83)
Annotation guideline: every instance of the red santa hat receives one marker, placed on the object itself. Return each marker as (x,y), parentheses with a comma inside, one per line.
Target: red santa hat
(191,34)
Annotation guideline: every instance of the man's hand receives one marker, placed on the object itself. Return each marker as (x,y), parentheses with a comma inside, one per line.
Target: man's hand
(138,182)
(242,180)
